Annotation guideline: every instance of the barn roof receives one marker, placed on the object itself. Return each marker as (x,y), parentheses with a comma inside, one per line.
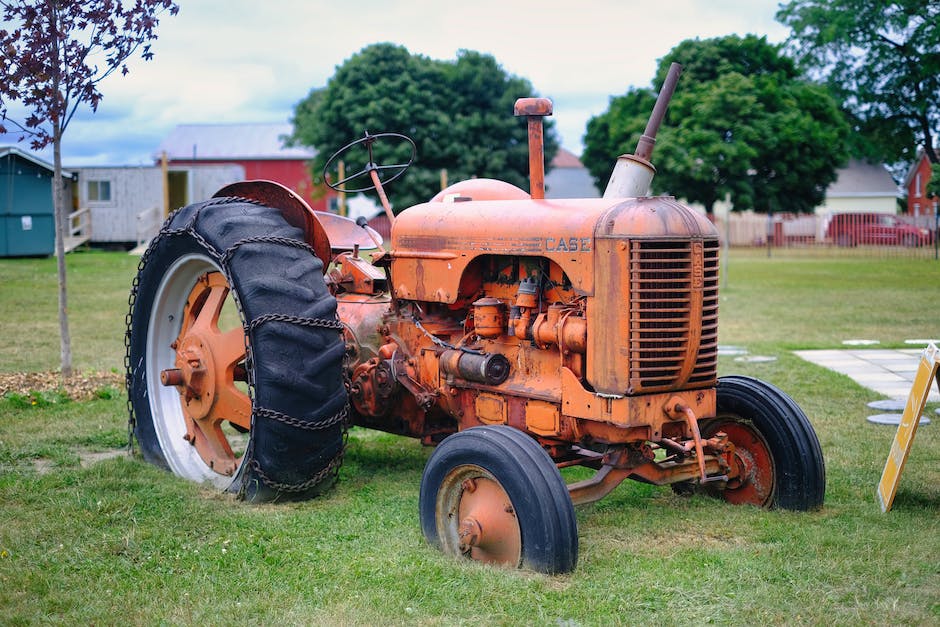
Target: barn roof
(208,142)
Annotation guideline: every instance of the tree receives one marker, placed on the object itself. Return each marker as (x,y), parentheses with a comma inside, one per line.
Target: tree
(54,56)
(742,125)
(459,113)
(882,59)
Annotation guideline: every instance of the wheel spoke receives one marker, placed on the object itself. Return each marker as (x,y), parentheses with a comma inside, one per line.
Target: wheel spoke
(212,445)
(397,166)
(207,367)
(351,177)
(228,349)
(233,405)
(214,290)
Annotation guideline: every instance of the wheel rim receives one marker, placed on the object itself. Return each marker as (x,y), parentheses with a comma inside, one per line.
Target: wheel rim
(193,367)
(476,518)
(753,476)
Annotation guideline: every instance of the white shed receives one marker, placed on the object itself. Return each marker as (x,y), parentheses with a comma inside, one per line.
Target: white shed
(127,203)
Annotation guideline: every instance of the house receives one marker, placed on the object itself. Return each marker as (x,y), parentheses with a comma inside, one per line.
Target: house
(861,187)
(259,149)
(568,178)
(915,183)
(27,213)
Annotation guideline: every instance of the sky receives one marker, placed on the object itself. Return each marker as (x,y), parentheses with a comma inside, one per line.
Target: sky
(242,61)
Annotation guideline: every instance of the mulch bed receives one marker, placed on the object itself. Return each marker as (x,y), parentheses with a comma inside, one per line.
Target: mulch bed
(79,387)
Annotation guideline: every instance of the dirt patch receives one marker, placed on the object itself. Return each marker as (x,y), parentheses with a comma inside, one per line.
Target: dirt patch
(79,387)
(44,466)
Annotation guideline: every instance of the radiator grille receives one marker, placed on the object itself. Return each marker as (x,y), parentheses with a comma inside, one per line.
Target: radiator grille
(673,314)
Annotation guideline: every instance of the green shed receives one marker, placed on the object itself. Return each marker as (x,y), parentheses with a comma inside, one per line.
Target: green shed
(27,215)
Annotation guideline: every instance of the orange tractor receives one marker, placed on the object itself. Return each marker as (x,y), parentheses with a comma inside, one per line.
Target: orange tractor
(517,334)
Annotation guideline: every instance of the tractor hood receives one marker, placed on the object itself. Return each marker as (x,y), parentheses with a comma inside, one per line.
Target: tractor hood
(433,243)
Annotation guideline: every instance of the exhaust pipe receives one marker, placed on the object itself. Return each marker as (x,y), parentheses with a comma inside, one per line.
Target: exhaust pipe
(633,173)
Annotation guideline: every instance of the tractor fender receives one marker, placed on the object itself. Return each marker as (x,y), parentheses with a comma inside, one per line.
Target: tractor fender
(327,233)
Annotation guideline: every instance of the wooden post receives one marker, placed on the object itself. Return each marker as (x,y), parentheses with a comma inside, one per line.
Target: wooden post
(165,171)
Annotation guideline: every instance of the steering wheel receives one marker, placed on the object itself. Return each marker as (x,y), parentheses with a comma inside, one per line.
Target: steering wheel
(396,169)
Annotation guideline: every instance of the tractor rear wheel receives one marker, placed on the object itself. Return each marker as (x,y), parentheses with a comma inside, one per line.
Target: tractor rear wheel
(778,460)
(492,494)
(232,331)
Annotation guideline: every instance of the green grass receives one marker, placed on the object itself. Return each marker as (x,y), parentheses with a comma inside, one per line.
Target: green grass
(98,287)
(119,541)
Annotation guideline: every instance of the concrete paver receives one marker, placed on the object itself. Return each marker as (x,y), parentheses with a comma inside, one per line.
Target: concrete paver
(889,372)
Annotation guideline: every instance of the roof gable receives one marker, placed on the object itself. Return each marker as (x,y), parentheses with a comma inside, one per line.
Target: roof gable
(565,159)
(22,154)
(921,156)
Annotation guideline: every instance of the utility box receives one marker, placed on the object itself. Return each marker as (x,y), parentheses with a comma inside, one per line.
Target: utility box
(27,214)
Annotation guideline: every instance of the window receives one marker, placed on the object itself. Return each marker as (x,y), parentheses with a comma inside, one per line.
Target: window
(99,191)
(917,186)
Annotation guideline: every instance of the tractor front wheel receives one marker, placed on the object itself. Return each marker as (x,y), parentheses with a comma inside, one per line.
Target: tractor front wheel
(493,495)
(232,331)
(778,461)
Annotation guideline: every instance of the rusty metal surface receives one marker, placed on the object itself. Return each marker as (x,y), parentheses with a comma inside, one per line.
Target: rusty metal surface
(205,373)
(644,147)
(294,209)
(480,189)
(344,234)
(488,530)
(535,109)
(751,473)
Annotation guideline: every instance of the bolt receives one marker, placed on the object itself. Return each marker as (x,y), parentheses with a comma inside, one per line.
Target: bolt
(468,534)
(171,377)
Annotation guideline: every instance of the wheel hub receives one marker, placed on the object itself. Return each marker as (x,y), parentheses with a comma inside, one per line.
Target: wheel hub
(194,376)
(488,530)
(206,366)
(751,477)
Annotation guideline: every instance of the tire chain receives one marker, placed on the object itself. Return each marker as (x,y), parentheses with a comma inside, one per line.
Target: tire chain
(223,258)
(331,469)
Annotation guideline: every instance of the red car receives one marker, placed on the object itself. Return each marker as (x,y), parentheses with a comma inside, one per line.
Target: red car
(852,229)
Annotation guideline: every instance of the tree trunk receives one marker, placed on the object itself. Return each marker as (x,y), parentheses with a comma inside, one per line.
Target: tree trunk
(61,230)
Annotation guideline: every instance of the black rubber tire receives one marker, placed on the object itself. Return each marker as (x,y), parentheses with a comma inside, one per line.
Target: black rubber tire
(296,369)
(799,474)
(529,477)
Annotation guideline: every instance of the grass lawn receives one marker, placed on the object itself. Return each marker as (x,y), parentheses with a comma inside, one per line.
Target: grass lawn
(119,541)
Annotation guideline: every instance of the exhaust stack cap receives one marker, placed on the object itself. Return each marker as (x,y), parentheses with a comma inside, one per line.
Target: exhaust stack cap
(534,109)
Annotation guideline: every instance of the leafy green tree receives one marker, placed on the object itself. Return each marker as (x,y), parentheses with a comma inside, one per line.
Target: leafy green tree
(742,125)
(459,114)
(882,59)
(933,185)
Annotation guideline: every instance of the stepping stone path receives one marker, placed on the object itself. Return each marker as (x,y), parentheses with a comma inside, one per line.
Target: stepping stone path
(887,371)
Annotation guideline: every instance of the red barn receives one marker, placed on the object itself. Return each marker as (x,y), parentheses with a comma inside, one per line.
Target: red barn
(918,203)
(258,148)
